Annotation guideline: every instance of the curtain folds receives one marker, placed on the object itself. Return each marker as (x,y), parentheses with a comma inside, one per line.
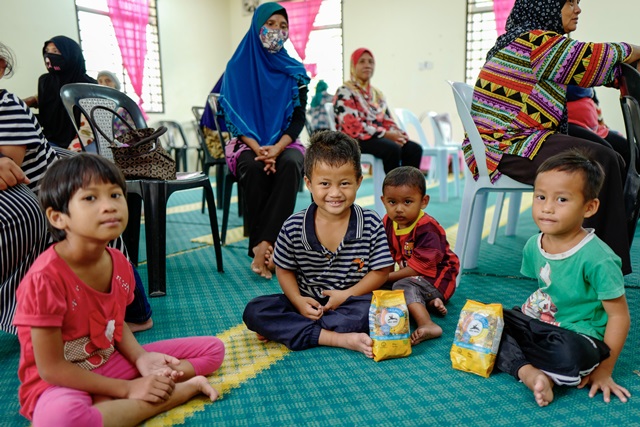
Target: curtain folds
(502,8)
(302,14)
(130,19)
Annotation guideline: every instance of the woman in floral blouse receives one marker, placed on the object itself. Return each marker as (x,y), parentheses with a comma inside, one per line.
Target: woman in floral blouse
(362,113)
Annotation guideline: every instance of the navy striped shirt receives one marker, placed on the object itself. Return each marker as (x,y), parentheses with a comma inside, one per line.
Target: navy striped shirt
(18,126)
(363,249)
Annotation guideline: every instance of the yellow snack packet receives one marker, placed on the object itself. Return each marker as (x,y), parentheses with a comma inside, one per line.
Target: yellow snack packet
(389,325)
(477,338)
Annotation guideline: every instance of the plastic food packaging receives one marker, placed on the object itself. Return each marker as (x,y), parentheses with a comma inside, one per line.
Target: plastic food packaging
(389,325)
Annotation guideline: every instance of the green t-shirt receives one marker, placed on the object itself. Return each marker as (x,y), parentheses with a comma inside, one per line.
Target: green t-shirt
(573,284)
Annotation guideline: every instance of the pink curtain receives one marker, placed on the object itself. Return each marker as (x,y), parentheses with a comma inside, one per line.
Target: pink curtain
(130,19)
(302,14)
(502,8)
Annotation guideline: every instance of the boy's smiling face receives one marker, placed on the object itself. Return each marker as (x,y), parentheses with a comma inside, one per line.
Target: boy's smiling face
(333,188)
(403,204)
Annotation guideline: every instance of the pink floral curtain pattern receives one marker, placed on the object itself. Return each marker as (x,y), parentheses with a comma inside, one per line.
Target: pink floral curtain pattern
(502,8)
(130,19)
(302,14)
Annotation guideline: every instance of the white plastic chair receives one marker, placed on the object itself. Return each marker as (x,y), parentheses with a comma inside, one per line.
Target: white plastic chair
(377,167)
(440,154)
(474,201)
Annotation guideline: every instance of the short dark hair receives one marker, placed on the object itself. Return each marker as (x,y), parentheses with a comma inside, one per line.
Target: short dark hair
(9,58)
(405,175)
(333,148)
(66,176)
(577,160)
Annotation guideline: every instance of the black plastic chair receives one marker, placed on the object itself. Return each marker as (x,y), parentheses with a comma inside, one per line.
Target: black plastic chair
(229,180)
(208,161)
(629,101)
(154,193)
(176,143)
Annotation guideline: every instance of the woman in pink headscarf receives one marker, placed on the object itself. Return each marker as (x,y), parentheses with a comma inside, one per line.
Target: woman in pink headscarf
(362,113)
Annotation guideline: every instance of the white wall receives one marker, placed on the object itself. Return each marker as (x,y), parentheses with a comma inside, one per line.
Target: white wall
(403,33)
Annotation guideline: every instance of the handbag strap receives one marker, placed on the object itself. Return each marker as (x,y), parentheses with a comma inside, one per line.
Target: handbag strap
(158,132)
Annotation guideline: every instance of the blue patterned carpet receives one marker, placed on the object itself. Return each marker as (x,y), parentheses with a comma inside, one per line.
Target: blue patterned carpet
(268,385)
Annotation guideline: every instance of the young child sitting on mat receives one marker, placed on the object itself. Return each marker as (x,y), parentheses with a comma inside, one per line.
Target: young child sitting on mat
(329,258)
(572,329)
(427,267)
(80,365)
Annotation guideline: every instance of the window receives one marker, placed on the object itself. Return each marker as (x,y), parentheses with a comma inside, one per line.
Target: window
(101,51)
(324,48)
(481,36)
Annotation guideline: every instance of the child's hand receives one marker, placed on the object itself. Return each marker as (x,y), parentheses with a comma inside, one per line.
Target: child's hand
(600,380)
(309,308)
(152,388)
(152,363)
(336,298)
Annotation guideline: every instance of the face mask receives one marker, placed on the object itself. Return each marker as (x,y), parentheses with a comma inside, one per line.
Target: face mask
(54,62)
(273,40)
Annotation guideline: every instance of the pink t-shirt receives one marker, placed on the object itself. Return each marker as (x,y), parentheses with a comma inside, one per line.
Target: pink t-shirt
(51,295)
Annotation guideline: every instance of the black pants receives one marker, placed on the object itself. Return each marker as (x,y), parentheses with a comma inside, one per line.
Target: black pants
(270,199)
(391,153)
(275,318)
(614,140)
(562,354)
(610,222)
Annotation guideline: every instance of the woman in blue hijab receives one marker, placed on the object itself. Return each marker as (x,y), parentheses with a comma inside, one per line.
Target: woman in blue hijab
(263,99)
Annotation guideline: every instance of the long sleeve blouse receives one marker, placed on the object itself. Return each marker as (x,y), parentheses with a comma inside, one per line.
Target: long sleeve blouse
(361,115)
(519,99)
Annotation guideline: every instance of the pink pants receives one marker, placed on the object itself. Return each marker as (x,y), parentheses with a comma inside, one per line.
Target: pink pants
(62,406)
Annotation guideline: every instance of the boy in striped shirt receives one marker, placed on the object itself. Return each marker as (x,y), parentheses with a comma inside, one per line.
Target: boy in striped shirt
(329,258)
(427,267)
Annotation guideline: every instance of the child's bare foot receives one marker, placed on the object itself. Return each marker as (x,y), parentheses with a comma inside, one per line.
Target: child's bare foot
(201,385)
(425,332)
(261,338)
(137,327)
(259,264)
(268,256)
(438,305)
(356,341)
(538,382)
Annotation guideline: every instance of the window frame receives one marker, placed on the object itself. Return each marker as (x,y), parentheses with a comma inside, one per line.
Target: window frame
(153,15)
(475,8)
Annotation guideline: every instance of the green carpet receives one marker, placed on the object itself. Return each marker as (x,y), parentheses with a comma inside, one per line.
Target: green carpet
(269,385)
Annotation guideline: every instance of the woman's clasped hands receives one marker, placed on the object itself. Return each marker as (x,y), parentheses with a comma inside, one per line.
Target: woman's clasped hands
(268,154)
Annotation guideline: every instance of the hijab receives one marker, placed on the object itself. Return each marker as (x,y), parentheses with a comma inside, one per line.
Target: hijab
(112,76)
(260,89)
(529,15)
(53,117)
(321,88)
(370,94)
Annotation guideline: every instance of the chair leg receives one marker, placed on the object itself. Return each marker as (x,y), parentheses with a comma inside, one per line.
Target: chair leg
(220,176)
(155,211)
(131,235)
(456,172)
(226,206)
(515,200)
(497,213)
(470,227)
(213,220)
(443,172)
(205,171)
(378,179)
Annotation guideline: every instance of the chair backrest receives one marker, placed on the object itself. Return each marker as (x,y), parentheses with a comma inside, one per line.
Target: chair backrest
(174,137)
(442,128)
(399,121)
(409,119)
(630,102)
(85,96)
(212,99)
(463,95)
(328,106)
(202,139)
